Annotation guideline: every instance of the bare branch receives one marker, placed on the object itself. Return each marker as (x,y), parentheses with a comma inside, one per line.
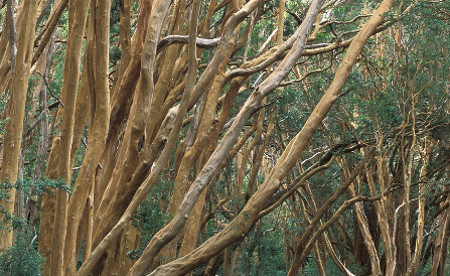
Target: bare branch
(183,39)
(49,89)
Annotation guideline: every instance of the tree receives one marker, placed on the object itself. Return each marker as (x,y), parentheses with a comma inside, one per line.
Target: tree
(177,129)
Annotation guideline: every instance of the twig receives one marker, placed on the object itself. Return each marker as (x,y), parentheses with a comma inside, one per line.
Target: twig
(34,124)
(83,140)
(326,23)
(48,88)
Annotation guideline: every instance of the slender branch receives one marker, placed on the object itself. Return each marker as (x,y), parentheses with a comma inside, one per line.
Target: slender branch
(297,184)
(34,124)
(320,70)
(49,89)
(296,17)
(3,4)
(326,23)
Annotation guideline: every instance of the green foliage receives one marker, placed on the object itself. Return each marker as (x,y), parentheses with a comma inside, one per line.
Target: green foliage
(41,186)
(150,217)
(311,268)
(3,101)
(45,185)
(426,269)
(55,80)
(114,50)
(262,252)
(378,101)
(30,188)
(22,259)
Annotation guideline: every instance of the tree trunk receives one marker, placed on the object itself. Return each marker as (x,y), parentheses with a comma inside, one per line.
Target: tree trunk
(15,113)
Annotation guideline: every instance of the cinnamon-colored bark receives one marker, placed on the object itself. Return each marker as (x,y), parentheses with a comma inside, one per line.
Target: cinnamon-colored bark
(196,99)
(15,113)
